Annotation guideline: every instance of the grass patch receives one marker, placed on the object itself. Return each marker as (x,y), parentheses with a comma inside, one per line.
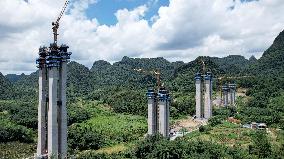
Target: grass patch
(114,149)
(226,133)
(16,150)
(106,131)
(120,128)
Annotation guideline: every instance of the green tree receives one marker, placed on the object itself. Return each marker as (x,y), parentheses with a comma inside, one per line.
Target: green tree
(261,145)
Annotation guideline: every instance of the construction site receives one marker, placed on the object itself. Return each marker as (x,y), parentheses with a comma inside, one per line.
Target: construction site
(52,113)
(211,107)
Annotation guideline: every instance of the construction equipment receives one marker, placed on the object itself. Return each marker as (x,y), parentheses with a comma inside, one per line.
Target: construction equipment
(157,74)
(203,66)
(55,25)
(222,78)
(158,78)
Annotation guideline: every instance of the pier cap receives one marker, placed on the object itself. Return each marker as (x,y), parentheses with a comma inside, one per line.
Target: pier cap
(52,56)
(232,85)
(198,76)
(163,94)
(151,93)
(225,87)
(208,76)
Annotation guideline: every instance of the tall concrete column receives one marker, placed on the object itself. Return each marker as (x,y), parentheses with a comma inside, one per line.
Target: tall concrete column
(208,96)
(229,97)
(152,112)
(62,118)
(163,113)
(232,88)
(42,127)
(168,114)
(198,95)
(231,94)
(226,97)
(234,95)
(224,92)
(223,95)
(53,113)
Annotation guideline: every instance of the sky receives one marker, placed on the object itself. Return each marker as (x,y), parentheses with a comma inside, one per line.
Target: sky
(178,30)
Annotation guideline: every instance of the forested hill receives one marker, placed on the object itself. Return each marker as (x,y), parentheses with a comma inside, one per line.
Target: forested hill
(82,81)
(150,64)
(103,75)
(184,75)
(78,79)
(124,73)
(5,87)
(13,77)
(234,64)
(272,61)
(123,87)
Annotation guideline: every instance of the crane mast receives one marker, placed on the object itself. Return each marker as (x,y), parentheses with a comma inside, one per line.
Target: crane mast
(55,25)
(203,66)
(158,78)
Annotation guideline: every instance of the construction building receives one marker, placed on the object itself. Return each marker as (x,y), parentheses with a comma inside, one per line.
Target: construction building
(158,112)
(203,95)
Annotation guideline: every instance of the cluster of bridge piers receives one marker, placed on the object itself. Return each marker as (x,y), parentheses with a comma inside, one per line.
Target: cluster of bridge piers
(229,94)
(158,112)
(52,113)
(203,95)
(159,103)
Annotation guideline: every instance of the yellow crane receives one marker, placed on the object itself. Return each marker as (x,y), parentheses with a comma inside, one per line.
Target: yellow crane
(203,66)
(157,74)
(220,81)
(55,25)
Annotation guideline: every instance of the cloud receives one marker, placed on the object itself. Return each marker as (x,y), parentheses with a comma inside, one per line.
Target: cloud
(181,31)
(187,24)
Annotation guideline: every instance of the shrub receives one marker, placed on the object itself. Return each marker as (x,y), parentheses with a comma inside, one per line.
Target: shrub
(215,120)
(12,132)
(203,128)
(83,137)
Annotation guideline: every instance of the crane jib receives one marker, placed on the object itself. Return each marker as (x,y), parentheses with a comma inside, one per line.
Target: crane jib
(62,12)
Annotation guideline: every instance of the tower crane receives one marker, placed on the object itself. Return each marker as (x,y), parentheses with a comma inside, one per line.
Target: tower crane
(158,78)
(55,25)
(220,81)
(157,74)
(203,66)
